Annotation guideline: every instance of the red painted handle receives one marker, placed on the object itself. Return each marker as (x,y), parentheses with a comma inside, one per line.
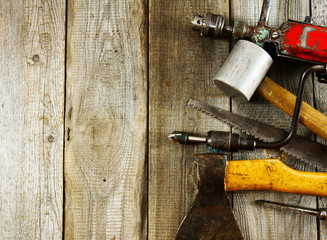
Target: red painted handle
(305,41)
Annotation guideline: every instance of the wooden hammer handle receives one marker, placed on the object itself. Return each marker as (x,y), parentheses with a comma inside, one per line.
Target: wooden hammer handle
(273,175)
(285,100)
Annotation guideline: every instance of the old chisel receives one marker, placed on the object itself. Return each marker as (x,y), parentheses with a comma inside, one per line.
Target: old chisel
(211,217)
(304,149)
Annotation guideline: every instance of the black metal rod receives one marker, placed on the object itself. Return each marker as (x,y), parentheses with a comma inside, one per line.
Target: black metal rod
(297,109)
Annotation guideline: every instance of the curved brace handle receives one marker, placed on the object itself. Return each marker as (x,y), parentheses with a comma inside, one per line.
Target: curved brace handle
(297,109)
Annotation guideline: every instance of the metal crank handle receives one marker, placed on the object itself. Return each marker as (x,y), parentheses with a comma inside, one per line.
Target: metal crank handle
(285,101)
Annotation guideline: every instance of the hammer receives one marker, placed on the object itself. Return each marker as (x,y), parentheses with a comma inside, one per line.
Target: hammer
(247,66)
(244,72)
(285,101)
(211,217)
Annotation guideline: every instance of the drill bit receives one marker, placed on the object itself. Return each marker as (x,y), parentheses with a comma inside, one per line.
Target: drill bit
(183,138)
(218,140)
(320,213)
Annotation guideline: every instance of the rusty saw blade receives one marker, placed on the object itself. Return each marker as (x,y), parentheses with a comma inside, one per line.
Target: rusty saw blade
(304,149)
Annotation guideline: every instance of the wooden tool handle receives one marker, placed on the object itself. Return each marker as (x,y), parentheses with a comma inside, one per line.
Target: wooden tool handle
(273,175)
(285,100)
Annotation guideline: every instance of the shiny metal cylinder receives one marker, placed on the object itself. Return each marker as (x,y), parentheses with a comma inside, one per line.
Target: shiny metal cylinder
(209,25)
(243,70)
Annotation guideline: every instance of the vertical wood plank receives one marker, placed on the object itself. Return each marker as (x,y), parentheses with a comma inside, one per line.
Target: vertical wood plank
(181,67)
(257,222)
(318,8)
(32,47)
(106,116)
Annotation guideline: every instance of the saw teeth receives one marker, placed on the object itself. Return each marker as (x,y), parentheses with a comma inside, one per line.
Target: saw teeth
(195,104)
(190,103)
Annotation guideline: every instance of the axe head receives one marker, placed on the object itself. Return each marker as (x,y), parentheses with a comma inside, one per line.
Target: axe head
(210,216)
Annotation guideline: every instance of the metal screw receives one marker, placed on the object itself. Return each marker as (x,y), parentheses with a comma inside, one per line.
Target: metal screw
(274,35)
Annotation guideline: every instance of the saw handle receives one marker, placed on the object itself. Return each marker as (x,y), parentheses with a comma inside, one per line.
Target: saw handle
(285,100)
(273,175)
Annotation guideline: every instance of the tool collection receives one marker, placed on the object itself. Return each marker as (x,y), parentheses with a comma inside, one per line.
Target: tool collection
(242,74)
(211,217)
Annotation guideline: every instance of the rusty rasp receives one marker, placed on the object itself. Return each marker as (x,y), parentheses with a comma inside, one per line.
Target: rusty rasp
(304,149)
(210,216)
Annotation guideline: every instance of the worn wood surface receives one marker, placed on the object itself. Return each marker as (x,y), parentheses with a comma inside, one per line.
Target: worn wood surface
(181,67)
(91,89)
(32,46)
(106,119)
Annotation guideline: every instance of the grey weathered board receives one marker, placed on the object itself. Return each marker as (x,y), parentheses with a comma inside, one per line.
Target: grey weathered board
(90,91)
(106,119)
(32,77)
(181,66)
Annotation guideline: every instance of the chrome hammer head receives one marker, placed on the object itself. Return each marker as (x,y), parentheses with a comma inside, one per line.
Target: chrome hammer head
(210,216)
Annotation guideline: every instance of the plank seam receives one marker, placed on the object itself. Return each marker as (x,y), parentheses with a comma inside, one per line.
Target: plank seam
(148,114)
(64,124)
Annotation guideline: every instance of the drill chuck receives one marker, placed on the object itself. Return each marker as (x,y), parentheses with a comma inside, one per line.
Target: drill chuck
(210,25)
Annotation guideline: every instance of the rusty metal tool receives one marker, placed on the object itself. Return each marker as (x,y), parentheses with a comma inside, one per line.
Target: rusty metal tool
(219,140)
(300,41)
(247,63)
(320,213)
(242,73)
(285,101)
(304,149)
(211,217)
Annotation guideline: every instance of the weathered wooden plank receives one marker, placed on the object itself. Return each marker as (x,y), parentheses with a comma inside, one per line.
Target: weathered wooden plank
(181,67)
(257,222)
(318,9)
(106,116)
(32,46)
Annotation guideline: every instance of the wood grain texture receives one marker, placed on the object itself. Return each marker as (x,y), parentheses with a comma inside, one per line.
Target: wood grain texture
(181,67)
(120,108)
(32,46)
(273,175)
(256,222)
(318,8)
(106,119)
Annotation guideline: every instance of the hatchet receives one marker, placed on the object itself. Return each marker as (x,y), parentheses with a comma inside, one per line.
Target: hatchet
(211,216)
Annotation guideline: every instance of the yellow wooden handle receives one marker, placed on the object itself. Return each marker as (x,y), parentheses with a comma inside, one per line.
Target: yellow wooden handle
(273,175)
(285,100)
